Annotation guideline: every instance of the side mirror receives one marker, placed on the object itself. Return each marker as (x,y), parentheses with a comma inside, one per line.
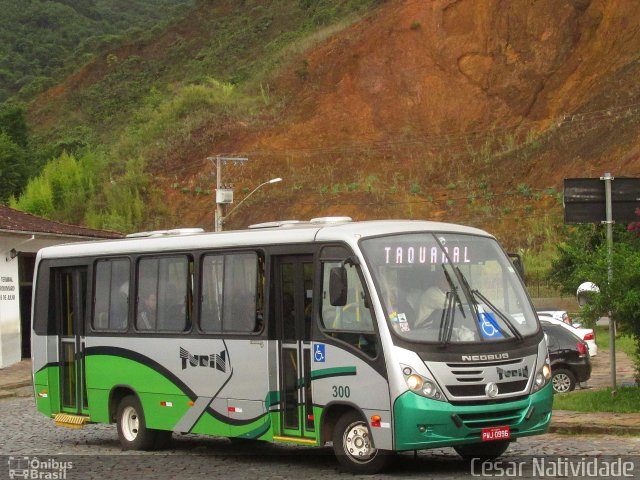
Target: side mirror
(586,292)
(516,260)
(338,286)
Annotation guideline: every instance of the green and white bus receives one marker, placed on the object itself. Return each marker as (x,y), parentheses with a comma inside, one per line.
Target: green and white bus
(380,337)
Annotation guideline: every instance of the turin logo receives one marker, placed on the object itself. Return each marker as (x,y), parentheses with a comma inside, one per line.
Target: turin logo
(215,360)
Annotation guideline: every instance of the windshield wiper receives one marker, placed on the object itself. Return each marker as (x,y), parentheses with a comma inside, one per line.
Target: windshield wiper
(504,318)
(446,321)
(476,293)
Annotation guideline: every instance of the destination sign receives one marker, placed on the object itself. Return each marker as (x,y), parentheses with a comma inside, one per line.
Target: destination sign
(434,255)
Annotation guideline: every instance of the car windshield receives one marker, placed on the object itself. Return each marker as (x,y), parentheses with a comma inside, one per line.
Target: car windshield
(449,288)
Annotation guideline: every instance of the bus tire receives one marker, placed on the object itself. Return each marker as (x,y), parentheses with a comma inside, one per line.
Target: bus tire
(353,446)
(483,451)
(132,429)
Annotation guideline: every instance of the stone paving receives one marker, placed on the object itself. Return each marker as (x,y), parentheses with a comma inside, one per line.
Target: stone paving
(95,453)
(601,372)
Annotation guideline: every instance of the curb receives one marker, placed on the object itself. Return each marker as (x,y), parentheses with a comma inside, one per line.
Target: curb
(7,394)
(582,429)
(14,385)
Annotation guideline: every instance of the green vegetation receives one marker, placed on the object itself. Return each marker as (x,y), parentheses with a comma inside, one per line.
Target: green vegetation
(626,400)
(42,40)
(80,190)
(624,343)
(584,257)
(161,126)
(15,165)
(138,110)
(524,190)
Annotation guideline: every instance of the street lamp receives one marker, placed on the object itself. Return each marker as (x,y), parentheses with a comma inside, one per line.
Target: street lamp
(225,196)
(221,218)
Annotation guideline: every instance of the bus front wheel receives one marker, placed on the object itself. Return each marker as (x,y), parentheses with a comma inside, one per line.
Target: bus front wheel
(483,451)
(353,446)
(132,428)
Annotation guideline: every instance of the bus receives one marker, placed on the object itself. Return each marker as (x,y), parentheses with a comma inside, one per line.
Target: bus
(378,337)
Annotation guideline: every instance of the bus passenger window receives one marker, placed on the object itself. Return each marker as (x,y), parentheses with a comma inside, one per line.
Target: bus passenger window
(164,293)
(353,322)
(211,297)
(111,306)
(240,286)
(231,298)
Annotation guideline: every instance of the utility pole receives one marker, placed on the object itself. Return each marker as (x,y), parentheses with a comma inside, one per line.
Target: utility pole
(222,195)
(609,221)
(584,199)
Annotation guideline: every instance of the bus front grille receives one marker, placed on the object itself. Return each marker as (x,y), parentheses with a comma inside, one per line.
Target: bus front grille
(491,419)
(478,390)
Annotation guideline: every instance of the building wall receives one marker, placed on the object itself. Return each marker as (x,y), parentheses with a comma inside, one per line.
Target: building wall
(10,345)
(10,330)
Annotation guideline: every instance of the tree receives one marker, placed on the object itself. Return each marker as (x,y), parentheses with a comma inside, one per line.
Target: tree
(13,168)
(584,257)
(13,122)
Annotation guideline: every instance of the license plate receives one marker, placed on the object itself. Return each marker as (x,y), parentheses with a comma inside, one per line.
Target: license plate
(496,433)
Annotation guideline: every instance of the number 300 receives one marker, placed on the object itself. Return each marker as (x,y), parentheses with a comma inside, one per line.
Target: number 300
(341,392)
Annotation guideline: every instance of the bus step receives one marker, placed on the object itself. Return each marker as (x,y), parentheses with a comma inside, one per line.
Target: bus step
(308,441)
(70,421)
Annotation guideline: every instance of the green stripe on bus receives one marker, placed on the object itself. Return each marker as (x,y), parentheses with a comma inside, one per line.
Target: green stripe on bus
(333,372)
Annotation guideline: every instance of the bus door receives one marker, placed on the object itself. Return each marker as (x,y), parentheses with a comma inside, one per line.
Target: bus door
(70,310)
(294,307)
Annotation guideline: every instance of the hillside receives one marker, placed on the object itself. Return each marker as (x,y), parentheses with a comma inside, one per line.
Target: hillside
(459,110)
(41,40)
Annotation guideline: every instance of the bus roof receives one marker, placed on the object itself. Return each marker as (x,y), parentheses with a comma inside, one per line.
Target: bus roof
(278,234)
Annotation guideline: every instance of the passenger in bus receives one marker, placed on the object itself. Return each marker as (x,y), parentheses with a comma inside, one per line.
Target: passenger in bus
(147,312)
(120,307)
(432,304)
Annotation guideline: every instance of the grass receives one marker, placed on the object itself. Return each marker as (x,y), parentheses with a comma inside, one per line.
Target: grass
(627,400)
(624,343)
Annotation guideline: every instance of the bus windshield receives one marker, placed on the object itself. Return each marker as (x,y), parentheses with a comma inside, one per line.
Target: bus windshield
(449,288)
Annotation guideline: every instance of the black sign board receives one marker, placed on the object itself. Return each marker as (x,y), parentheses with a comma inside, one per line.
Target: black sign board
(584,200)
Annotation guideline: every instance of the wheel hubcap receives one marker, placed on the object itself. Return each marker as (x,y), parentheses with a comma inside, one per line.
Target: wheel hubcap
(130,423)
(561,383)
(357,442)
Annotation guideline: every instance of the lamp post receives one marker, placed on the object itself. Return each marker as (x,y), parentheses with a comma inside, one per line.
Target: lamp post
(221,197)
(221,218)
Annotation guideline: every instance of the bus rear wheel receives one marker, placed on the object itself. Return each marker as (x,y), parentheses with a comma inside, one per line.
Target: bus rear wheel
(353,446)
(132,428)
(483,451)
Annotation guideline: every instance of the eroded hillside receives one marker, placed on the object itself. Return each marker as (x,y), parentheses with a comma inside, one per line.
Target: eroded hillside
(461,110)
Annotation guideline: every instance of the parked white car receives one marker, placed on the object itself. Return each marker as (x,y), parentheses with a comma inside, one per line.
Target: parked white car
(586,334)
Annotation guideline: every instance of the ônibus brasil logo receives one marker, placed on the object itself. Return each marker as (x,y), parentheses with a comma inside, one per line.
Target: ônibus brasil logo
(215,360)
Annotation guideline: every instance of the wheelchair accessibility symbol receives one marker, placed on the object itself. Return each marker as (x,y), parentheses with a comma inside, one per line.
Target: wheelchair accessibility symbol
(488,326)
(318,352)
(488,329)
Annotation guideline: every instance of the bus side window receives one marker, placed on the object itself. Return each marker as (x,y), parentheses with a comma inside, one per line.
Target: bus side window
(353,322)
(211,296)
(232,293)
(111,306)
(164,293)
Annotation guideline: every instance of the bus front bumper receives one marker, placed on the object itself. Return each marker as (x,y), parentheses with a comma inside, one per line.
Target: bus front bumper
(422,423)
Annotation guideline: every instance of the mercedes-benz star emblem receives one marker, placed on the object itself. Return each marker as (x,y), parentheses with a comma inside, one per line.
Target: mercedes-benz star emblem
(491,389)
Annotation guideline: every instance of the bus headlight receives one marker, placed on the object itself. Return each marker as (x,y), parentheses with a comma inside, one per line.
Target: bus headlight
(414,382)
(429,389)
(542,376)
(421,385)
